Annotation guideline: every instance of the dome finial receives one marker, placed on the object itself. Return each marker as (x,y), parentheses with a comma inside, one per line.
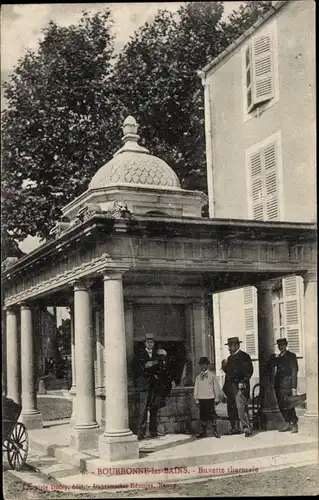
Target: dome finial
(130,126)
(130,137)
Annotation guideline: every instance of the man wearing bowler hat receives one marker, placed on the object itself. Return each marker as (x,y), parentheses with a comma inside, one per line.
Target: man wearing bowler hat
(238,369)
(286,365)
(145,364)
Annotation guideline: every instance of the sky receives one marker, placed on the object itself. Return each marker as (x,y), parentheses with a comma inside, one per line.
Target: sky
(21,26)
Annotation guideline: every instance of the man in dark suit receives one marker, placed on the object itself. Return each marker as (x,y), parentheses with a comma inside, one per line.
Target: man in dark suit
(145,364)
(286,366)
(238,369)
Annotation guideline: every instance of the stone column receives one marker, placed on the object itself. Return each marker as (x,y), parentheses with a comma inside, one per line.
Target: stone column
(13,358)
(85,431)
(311,347)
(190,345)
(30,415)
(201,330)
(271,416)
(118,442)
(73,387)
(99,351)
(210,329)
(99,389)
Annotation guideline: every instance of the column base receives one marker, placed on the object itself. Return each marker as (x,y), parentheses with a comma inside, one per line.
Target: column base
(271,419)
(310,422)
(85,438)
(42,390)
(73,415)
(100,410)
(113,448)
(32,420)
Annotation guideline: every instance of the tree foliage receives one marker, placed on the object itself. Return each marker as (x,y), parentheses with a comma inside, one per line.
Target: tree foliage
(66,102)
(156,80)
(55,127)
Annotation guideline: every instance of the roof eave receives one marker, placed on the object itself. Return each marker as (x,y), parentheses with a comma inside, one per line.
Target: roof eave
(273,9)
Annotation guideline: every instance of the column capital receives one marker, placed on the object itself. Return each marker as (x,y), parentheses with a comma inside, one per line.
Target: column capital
(25,306)
(11,309)
(81,284)
(115,274)
(264,286)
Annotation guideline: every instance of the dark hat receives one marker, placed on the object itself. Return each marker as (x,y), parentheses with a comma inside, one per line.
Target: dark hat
(281,341)
(149,336)
(203,361)
(233,340)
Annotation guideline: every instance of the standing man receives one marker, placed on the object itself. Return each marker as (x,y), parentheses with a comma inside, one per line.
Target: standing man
(286,384)
(145,364)
(238,369)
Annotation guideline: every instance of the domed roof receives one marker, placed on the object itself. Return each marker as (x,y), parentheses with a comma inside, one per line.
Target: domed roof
(134,164)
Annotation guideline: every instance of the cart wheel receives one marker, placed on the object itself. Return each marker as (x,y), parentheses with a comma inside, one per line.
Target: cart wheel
(18,445)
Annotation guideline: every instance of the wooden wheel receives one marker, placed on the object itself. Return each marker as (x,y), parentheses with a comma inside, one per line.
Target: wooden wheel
(17,447)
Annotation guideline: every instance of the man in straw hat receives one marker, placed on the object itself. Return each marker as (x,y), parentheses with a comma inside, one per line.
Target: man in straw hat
(286,366)
(145,364)
(238,369)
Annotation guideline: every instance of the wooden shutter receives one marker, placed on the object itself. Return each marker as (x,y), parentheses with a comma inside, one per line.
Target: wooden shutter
(291,294)
(264,183)
(257,186)
(271,198)
(250,311)
(263,80)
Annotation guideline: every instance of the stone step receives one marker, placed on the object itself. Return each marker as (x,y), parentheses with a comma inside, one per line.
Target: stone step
(188,452)
(51,475)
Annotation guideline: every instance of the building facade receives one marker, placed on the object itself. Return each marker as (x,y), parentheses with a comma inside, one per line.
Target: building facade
(260,145)
(135,256)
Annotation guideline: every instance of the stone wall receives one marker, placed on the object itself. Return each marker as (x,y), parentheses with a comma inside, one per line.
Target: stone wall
(176,417)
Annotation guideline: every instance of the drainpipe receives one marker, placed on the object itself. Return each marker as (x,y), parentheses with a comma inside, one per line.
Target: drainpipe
(211,202)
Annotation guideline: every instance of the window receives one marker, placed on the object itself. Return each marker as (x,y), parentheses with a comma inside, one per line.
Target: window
(259,71)
(264,184)
(264,179)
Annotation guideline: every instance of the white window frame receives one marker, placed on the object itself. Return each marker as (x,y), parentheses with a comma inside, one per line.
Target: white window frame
(269,29)
(276,137)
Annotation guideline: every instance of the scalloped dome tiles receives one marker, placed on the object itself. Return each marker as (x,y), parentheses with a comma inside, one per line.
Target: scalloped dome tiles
(134,165)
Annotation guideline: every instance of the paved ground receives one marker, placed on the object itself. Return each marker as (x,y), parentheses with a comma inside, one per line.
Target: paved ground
(288,482)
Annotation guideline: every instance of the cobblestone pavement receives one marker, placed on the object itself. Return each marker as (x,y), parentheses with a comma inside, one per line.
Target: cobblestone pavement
(294,481)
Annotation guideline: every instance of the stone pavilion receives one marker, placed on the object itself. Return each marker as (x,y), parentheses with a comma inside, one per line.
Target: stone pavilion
(134,255)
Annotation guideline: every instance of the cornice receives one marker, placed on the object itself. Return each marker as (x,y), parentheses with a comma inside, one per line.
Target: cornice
(75,275)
